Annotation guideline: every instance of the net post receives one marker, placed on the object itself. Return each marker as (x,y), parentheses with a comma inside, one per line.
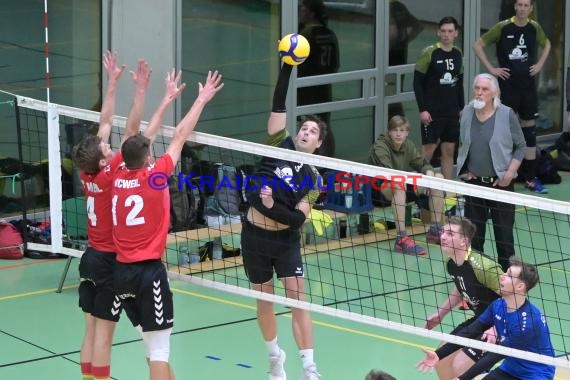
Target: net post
(55,193)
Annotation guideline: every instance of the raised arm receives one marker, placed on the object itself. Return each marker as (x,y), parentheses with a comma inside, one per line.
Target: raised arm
(108,108)
(141,78)
(278,117)
(188,123)
(173,89)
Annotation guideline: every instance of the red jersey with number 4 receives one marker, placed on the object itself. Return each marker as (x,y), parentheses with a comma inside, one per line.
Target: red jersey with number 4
(141,213)
(97,188)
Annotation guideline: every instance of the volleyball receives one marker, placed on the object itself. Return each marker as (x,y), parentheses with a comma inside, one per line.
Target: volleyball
(294,49)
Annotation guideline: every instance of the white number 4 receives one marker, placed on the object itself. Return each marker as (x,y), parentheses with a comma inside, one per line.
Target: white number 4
(91,211)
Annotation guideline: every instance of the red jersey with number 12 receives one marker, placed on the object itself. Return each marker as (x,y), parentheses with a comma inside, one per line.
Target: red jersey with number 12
(141,213)
(97,188)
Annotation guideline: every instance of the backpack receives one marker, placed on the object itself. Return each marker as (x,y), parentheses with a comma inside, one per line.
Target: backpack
(11,242)
(184,206)
(545,169)
(229,191)
(560,151)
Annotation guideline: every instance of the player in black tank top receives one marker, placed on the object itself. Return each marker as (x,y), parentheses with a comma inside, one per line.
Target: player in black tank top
(476,279)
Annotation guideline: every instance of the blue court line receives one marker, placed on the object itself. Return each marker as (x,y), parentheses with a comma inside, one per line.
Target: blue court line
(212,357)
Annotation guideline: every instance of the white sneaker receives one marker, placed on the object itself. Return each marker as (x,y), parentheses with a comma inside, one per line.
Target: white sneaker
(276,370)
(310,373)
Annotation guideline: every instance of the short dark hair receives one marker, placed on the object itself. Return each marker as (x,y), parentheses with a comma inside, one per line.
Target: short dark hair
(449,20)
(529,273)
(319,9)
(466,227)
(135,150)
(87,154)
(379,375)
(323,127)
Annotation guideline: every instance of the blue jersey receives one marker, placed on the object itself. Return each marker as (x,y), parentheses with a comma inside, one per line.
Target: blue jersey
(523,329)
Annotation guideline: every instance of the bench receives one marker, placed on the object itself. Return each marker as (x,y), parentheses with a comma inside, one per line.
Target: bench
(307,248)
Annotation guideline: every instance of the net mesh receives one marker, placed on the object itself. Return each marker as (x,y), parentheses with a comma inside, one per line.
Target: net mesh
(352,267)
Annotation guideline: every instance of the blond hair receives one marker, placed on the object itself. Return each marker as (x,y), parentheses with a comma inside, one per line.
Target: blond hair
(398,121)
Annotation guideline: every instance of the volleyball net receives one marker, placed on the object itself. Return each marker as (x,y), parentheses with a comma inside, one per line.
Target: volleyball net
(352,267)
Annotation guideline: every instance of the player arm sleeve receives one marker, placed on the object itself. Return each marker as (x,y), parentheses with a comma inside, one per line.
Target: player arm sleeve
(474,330)
(419,89)
(484,364)
(294,218)
(279,212)
(280,93)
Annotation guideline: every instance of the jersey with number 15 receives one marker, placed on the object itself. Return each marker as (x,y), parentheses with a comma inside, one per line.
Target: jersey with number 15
(141,213)
(97,188)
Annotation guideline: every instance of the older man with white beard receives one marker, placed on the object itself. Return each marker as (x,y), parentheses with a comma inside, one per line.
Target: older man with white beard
(491,150)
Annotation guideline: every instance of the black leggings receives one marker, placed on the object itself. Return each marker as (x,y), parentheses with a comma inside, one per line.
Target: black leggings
(497,374)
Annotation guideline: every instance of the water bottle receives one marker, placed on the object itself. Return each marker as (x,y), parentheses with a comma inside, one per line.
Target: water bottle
(183,256)
(217,248)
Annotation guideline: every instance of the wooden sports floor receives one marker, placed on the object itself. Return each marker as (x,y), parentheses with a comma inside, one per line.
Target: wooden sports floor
(216,335)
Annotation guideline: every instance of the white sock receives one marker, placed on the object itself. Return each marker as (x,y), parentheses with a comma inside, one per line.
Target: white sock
(273,347)
(307,357)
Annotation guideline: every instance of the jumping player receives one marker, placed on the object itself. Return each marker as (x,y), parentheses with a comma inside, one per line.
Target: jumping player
(271,237)
(141,217)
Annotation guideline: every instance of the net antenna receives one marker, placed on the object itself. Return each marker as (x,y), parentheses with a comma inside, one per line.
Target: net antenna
(54,152)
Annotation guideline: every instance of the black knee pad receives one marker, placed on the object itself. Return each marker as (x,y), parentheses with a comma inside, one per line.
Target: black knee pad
(529,136)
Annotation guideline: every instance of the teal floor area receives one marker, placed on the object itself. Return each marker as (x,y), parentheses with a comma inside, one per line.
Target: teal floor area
(215,335)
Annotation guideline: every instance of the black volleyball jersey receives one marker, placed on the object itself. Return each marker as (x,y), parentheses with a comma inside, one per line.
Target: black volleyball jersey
(438,81)
(290,181)
(516,45)
(477,279)
(324,57)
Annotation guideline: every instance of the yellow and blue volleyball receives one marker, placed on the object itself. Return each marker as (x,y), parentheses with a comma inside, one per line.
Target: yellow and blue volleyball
(294,49)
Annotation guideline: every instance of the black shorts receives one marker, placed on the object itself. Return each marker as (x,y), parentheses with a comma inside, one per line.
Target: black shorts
(473,353)
(444,129)
(96,295)
(266,251)
(521,95)
(144,289)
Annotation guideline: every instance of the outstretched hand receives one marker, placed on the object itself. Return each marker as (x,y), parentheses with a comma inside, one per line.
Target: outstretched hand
(173,86)
(213,84)
(432,321)
(429,362)
(142,75)
(110,63)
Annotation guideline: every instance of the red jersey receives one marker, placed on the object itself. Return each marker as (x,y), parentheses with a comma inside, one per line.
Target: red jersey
(141,213)
(97,188)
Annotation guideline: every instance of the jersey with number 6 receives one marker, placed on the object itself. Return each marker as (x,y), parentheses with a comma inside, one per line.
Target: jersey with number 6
(97,188)
(141,213)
